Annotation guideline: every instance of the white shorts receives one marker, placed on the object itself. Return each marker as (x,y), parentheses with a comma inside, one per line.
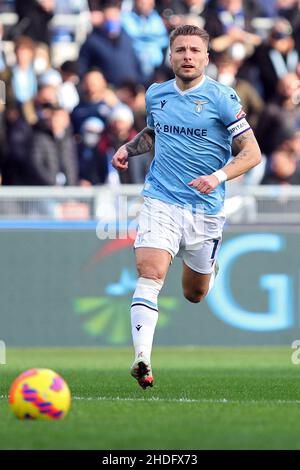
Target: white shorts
(196,238)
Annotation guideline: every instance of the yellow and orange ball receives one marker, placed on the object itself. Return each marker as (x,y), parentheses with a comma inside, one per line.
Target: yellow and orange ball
(40,394)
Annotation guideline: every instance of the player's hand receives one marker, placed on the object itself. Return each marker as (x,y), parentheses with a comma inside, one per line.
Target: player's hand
(205,184)
(120,159)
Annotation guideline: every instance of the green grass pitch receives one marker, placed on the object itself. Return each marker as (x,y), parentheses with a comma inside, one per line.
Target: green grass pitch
(203,398)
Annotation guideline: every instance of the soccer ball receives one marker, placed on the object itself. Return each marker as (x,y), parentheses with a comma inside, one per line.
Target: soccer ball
(39,394)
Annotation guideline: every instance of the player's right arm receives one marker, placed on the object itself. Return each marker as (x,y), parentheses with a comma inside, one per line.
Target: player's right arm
(140,144)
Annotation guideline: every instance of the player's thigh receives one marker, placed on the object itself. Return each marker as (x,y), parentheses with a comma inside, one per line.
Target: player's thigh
(152,263)
(158,238)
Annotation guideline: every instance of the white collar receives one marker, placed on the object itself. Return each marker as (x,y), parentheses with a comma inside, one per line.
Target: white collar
(181,92)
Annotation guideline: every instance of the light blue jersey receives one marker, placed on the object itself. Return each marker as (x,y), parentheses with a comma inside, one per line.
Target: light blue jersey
(193,136)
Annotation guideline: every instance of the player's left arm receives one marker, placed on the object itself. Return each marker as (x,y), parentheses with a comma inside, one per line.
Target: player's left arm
(249,155)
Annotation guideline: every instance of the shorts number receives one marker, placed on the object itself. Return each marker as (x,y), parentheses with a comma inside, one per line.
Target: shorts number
(216,242)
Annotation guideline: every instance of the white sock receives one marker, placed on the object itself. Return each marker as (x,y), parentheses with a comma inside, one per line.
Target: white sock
(144,315)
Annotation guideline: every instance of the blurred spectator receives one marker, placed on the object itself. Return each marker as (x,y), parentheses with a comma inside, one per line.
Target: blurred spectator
(121,124)
(294,143)
(131,94)
(68,92)
(23,80)
(96,15)
(172,11)
(45,99)
(34,18)
(19,135)
(69,71)
(276,57)
(283,169)
(290,9)
(110,49)
(251,101)
(120,131)
(280,119)
(134,96)
(42,59)
(50,78)
(20,82)
(97,101)
(65,86)
(16,166)
(93,169)
(228,23)
(147,30)
(52,156)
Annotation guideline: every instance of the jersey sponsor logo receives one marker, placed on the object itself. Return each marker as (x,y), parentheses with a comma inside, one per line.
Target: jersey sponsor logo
(180,130)
(240,114)
(162,103)
(199,105)
(238,127)
(157,127)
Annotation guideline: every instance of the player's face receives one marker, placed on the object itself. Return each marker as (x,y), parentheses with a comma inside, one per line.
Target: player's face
(189,57)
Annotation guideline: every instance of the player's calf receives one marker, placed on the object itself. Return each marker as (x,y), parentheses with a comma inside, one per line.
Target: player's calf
(195,285)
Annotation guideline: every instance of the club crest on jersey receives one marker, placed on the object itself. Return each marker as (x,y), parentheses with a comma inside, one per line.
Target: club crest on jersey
(199,105)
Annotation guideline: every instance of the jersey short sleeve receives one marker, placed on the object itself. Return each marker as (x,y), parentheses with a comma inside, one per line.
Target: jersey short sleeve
(232,113)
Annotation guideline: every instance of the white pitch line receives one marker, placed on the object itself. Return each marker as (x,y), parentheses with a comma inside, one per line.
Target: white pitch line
(182,400)
(187,400)
(152,399)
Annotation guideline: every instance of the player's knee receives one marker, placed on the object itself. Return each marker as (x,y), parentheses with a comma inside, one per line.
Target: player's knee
(195,296)
(150,272)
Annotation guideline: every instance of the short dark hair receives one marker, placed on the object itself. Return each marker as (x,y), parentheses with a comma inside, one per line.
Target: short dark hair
(189,30)
(110,4)
(70,66)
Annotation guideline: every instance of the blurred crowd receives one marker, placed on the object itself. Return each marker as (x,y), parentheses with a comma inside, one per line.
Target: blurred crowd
(61,125)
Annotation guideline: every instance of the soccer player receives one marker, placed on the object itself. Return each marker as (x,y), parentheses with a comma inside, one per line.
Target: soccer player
(191,121)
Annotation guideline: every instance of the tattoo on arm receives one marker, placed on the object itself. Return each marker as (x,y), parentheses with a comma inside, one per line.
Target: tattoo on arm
(142,143)
(240,156)
(241,140)
(240,144)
